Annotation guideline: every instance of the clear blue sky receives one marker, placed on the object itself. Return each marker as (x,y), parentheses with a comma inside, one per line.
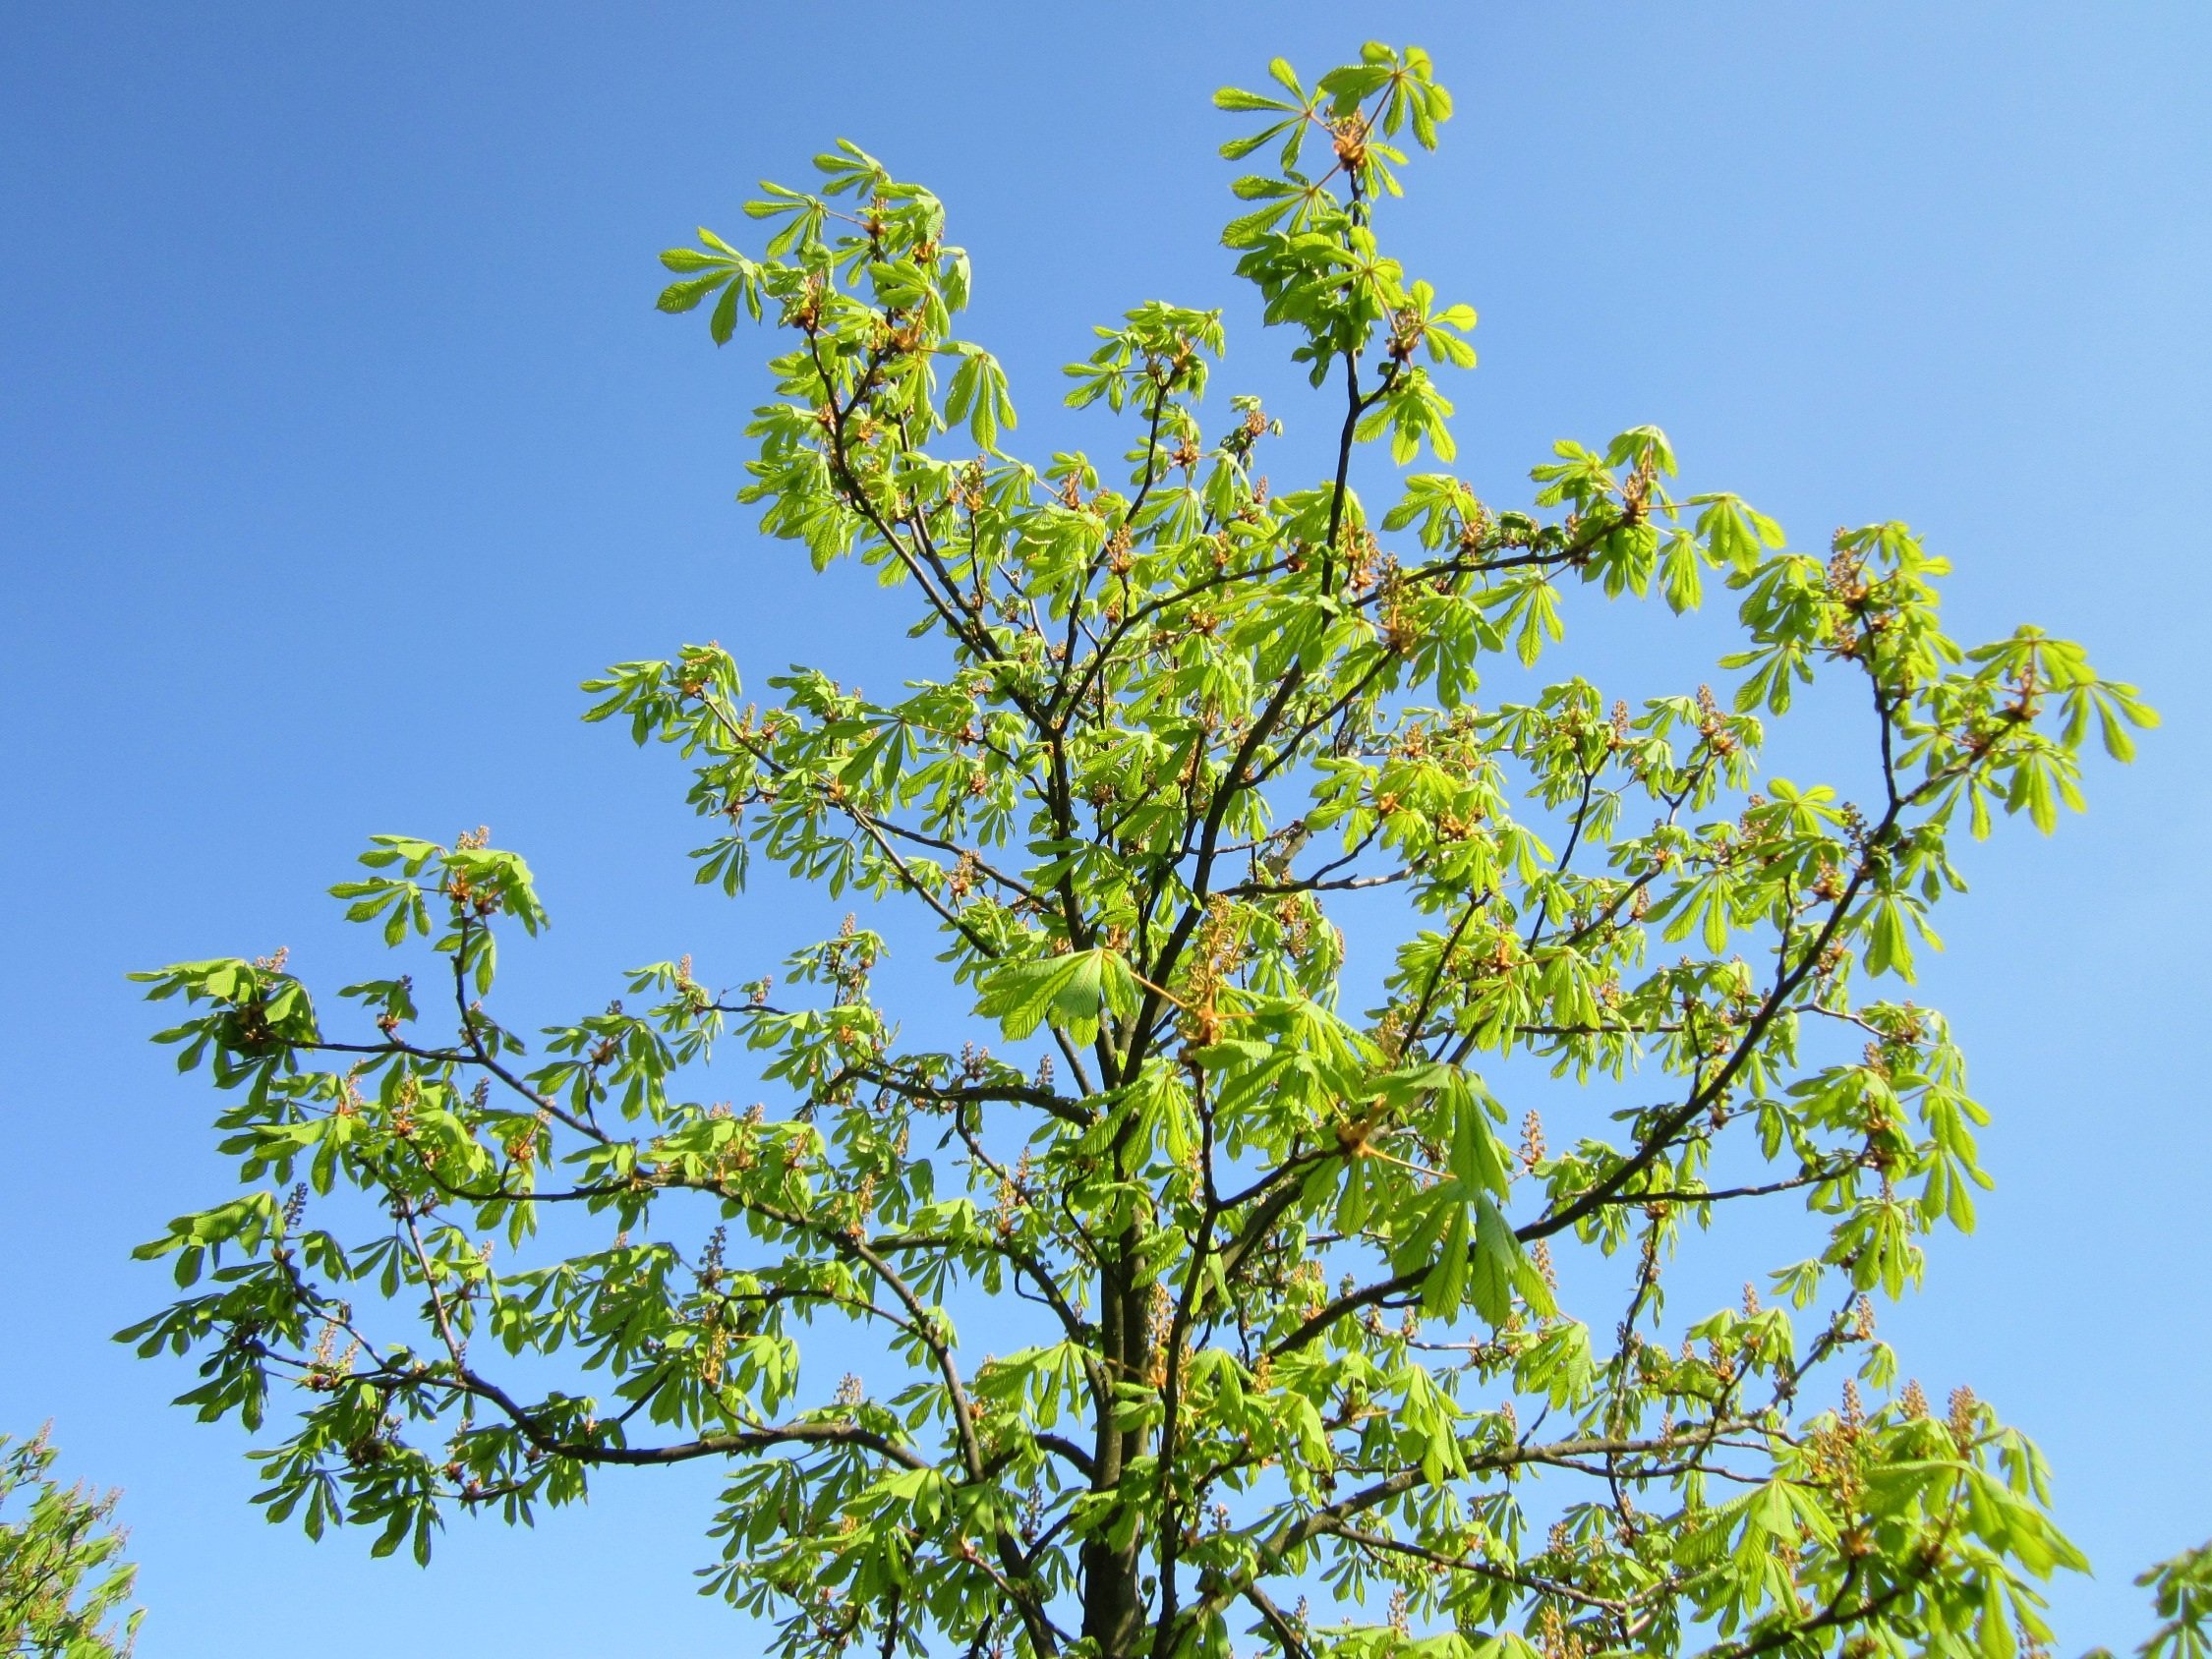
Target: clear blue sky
(339,440)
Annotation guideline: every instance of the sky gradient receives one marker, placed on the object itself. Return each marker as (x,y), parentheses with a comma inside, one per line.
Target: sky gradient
(340,440)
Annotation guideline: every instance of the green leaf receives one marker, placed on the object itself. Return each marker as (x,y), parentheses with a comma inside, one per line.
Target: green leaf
(1229,97)
(1070,992)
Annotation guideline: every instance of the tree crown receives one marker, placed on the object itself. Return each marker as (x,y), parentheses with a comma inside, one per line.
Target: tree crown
(64,1584)
(1278,1339)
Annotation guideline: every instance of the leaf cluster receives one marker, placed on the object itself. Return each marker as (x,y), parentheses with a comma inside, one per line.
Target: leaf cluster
(64,1584)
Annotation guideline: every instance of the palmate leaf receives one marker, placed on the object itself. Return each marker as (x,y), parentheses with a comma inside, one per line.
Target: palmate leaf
(1070,994)
(726,271)
(978,394)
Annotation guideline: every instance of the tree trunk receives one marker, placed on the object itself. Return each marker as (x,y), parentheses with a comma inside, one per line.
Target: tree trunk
(1113,1601)
(1112,1611)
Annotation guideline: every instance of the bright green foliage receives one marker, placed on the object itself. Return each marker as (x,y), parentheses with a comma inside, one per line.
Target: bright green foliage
(2182,1594)
(63,1580)
(1274,1340)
